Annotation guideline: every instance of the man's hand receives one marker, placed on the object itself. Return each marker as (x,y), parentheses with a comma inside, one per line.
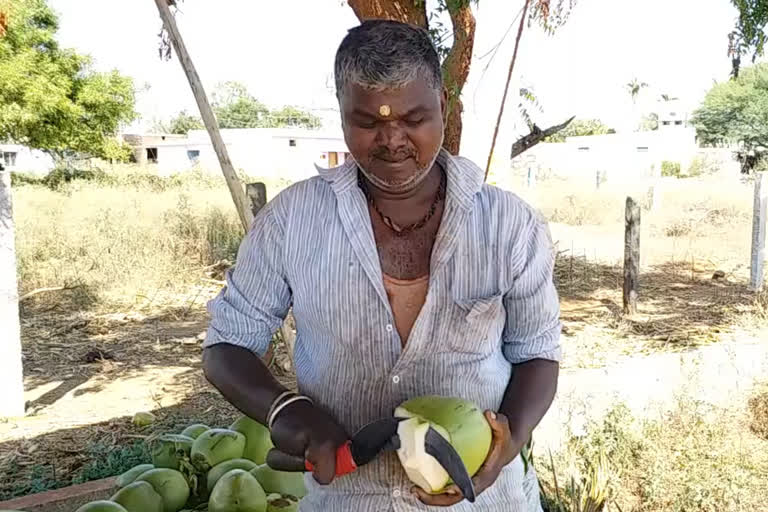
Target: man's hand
(504,449)
(307,431)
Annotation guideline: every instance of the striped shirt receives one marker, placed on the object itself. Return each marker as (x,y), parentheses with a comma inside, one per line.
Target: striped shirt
(491,303)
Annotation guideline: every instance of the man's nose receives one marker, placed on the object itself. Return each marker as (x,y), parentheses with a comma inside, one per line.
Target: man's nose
(392,136)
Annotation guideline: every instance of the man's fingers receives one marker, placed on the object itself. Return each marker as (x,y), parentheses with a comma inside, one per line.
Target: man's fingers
(323,458)
(451,496)
(498,422)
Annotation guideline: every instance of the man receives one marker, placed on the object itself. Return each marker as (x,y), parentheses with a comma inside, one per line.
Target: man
(408,276)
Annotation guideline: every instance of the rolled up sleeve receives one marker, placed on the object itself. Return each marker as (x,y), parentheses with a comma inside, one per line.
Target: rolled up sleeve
(533,326)
(256,298)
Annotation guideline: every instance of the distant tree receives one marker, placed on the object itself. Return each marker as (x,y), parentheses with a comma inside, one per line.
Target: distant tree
(749,35)
(634,87)
(649,122)
(235,107)
(50,98)
(736,112)
(580,128)
(184,122)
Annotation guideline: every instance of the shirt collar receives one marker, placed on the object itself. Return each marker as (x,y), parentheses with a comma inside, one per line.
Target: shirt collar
(465,179)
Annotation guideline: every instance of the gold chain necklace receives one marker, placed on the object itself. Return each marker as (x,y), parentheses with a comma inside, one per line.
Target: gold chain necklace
(404,230)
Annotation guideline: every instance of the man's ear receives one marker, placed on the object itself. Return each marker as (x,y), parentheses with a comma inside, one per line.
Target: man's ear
(444,103)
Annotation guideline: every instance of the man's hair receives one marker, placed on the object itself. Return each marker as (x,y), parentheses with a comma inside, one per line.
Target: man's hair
(383,54)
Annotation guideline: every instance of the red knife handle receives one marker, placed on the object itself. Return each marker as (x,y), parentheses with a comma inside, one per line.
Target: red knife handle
(345,464)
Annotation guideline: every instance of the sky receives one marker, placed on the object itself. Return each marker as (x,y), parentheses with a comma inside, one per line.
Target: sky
(283,52)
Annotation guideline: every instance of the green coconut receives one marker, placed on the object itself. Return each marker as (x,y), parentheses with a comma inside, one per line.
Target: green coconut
(258,441)
(459,421)
(195,430)
(237,491)
(215,446)
(143,419)
(170,485)
(139,497)
(169,450)
(278,503)
(280,482)
(222,468)
(101,506)
(132,474)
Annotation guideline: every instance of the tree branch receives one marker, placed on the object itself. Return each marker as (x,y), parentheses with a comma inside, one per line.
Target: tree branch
(525,143)
(455,72)
(406,11)
(506,86)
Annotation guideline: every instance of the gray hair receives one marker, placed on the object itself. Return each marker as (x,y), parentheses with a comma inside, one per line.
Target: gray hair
(384,54)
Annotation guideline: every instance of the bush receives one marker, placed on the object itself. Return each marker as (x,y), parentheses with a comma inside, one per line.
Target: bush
(701,166)
(670,169)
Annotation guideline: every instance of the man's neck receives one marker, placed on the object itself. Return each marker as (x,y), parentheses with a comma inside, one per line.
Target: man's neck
(411,202)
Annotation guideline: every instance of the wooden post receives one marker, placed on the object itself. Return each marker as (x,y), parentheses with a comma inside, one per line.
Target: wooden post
(758,232)
(257,196)
(531,176)
(11,377)
(631,256)
(209,119)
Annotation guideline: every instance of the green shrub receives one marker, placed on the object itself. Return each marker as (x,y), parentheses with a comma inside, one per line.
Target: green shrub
(670,169)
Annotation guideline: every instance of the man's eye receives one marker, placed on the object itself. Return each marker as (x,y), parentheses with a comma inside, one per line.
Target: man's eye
(415,122)
(366,124)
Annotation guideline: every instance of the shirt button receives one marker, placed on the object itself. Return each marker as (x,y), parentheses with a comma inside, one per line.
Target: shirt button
(396,493)
(389,327)
(396,379)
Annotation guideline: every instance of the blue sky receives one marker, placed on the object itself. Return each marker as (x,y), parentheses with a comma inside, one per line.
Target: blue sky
(283,51)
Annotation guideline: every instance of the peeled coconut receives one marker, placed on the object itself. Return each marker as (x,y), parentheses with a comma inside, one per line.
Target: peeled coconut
(280,482)
(170,485)
(222,468)
(139,497)
(215,446)
(195,430)
(169,449)
(258,441)
(278,503)
(237,491)
(101,506)
(132,474)
(459,421)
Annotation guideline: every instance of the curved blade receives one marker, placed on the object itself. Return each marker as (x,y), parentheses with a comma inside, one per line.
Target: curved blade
(440,449)
(373,438)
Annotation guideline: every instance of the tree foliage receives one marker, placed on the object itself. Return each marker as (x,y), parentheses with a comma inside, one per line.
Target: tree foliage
(235,107)
(184,122)
(50,98)
(580,128)
(736,111)
(749,35)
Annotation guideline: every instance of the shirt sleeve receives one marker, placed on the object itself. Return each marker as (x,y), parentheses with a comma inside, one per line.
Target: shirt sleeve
(533,326)
(256,298)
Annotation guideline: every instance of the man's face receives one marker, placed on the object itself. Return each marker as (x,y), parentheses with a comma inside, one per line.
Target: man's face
(394,151)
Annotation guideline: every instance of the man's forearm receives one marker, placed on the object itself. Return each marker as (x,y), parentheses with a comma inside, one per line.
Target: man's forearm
(242,378)
(529,395)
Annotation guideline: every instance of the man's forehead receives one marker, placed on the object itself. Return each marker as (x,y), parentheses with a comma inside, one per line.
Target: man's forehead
(404,99)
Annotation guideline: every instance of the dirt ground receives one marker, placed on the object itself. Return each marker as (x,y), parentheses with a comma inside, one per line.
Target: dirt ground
(87,373)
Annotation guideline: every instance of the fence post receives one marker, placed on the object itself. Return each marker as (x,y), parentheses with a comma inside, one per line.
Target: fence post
(631,256)
(531,176)
(758,232)
(11,376)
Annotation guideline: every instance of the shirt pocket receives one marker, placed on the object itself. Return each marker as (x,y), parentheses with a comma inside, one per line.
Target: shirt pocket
(478,325)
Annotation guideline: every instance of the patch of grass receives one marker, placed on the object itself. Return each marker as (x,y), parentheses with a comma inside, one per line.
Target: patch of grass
(106,461)
(758,410)
(692,458)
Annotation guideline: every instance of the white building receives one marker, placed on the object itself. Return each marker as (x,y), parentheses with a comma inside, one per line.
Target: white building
(281,152)
(17,158)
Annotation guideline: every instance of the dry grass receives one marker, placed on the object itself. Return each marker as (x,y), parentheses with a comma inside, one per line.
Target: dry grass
(692,458)
(758,410)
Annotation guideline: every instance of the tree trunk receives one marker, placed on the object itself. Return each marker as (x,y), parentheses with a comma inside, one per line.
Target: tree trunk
(455,73)
(11,380)
(405,11)
(455,66)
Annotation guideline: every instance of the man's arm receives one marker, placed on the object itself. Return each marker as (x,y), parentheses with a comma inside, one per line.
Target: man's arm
(528,396)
